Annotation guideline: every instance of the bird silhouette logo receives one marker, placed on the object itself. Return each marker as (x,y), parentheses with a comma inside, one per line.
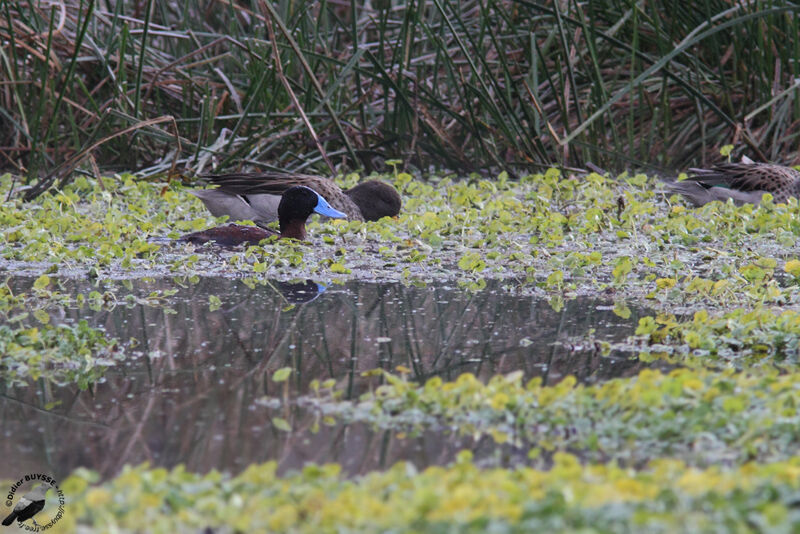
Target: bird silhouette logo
(32,502)
(28,506)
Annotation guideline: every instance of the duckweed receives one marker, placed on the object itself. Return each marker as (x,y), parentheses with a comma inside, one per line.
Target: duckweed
(562,235)
(665,496)
(699,416)
(745,337)
(62,353)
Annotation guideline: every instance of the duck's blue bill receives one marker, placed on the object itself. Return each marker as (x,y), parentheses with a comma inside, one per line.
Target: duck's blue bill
(323,208)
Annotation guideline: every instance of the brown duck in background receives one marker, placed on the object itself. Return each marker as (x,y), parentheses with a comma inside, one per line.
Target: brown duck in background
(744,183)
(255,196)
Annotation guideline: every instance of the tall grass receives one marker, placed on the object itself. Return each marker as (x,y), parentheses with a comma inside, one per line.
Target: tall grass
(473,86)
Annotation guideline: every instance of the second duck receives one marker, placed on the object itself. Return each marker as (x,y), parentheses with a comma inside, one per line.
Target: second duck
(744,183)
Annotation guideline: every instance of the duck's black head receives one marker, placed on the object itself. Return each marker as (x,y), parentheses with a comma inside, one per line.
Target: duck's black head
(375,199)
(297,203)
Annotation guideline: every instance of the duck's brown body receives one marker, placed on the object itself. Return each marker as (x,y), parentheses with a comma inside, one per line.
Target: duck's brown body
(230,235)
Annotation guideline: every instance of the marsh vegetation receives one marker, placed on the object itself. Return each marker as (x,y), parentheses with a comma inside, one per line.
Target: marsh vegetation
(330,86)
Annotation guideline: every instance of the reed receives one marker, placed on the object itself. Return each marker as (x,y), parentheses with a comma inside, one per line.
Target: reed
(472,86)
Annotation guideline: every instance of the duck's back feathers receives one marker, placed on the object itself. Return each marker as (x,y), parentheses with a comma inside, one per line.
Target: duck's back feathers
(775,179)
(275,183)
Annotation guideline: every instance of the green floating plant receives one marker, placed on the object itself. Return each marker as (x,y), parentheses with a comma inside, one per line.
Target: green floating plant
(665,496)
(61,354)
(557,233)
(736,417)
(748,336)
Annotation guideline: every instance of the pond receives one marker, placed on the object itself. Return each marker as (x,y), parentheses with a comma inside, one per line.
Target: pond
(196,387)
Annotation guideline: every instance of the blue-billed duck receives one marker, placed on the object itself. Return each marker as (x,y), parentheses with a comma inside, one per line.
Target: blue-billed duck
(744,183)
(296,205)
(255,196)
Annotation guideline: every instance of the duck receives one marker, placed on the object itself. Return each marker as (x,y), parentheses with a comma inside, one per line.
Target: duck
(255,196)
(744,183)
(296,204)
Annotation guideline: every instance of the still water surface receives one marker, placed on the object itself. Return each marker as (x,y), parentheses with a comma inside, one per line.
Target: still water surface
(188,394)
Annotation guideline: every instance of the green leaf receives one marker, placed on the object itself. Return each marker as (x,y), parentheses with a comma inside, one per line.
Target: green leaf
(281,424)
(42,316)
(621,309)
(282,374)
(41,282)
(471,261)
(339,268)
(647,325)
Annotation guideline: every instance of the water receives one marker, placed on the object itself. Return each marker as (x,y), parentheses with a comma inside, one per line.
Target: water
(194,389)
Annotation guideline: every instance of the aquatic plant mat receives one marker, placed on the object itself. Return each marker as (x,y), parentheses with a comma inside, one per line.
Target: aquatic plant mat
(558,353)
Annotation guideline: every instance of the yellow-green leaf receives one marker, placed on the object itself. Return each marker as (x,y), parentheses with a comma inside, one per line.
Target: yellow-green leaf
(282,374)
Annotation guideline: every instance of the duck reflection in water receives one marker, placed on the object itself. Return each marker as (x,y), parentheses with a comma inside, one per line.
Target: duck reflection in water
(300,292)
